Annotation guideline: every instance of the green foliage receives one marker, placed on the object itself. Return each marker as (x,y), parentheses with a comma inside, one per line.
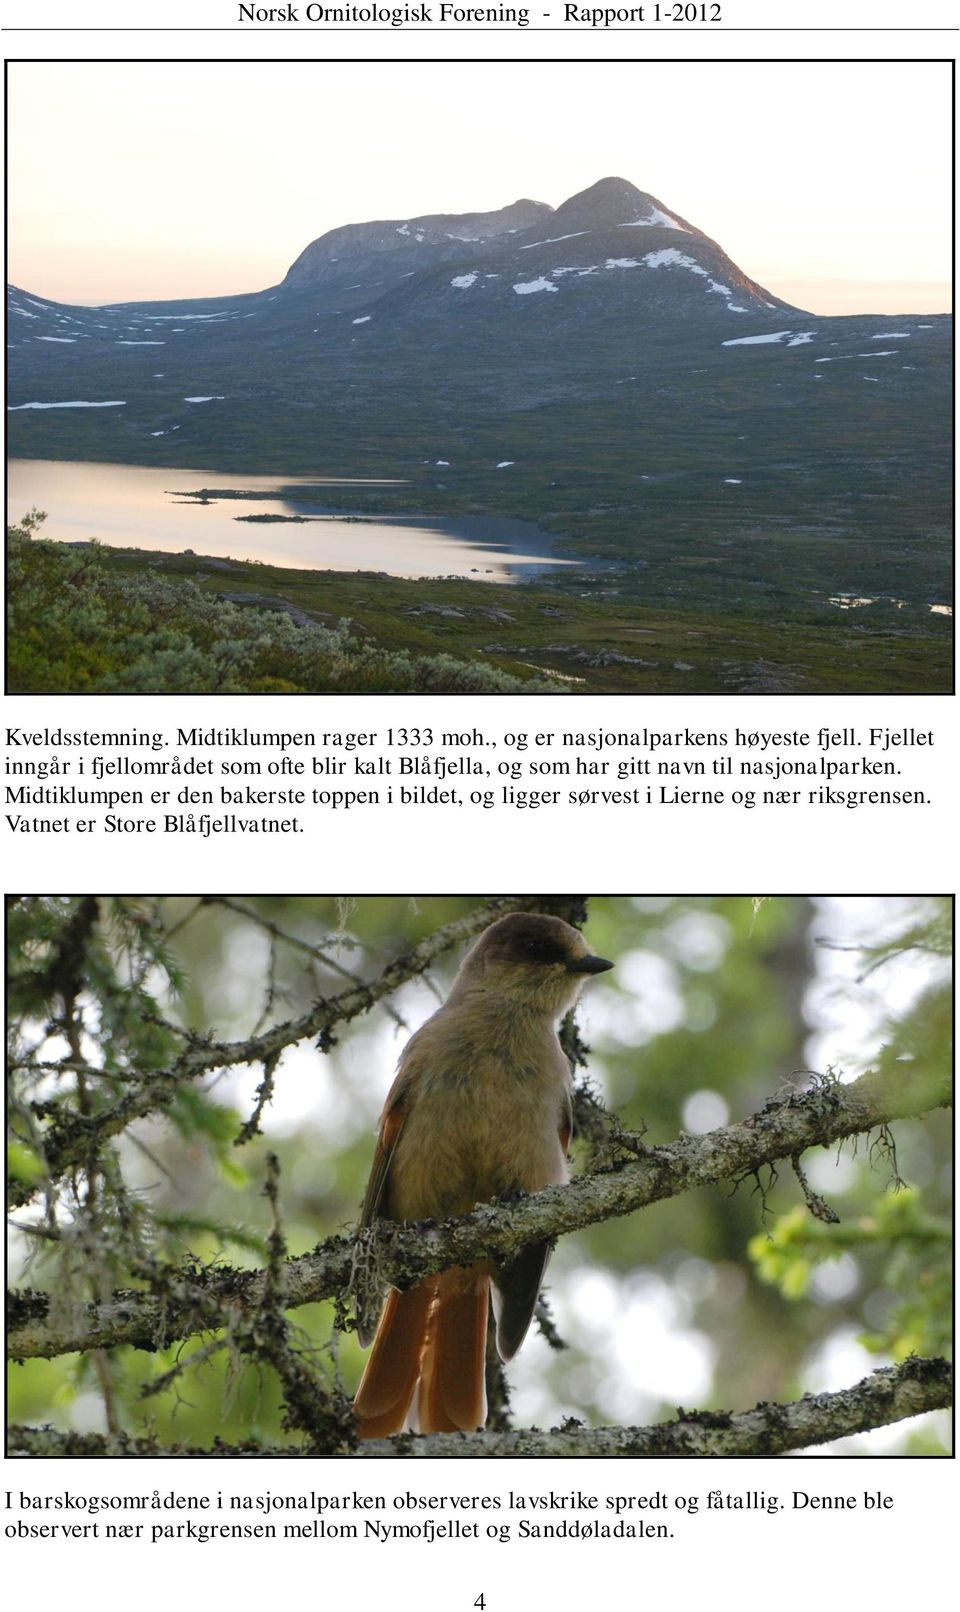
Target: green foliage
(62,945)
(902,1242)
(24,1163)
(566,637)
(916,1252)
(77,626)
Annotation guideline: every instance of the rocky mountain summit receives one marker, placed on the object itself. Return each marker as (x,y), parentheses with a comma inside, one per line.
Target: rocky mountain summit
(443,234)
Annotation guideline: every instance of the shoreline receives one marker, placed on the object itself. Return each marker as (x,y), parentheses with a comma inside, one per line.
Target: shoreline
(510,549)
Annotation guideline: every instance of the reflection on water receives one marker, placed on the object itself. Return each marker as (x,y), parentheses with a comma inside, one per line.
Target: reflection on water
(133,506)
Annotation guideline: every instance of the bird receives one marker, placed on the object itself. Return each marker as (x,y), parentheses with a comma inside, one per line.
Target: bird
(481,1107)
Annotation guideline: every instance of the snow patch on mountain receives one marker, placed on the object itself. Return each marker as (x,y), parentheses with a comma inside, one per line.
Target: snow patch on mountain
(669,257)
(463,282)
(553,239)
(758,341)
(656,217)
(113,403)
(162,318)
(527,287)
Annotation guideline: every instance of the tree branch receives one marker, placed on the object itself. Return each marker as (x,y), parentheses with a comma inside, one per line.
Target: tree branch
(182,1298)
(889,1395)
(68,1139)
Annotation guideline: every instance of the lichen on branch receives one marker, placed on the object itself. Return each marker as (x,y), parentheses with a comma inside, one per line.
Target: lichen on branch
(179,1298)
(892,1394)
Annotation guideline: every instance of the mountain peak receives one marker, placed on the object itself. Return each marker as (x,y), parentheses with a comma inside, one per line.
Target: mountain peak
(612,202)
(611,191)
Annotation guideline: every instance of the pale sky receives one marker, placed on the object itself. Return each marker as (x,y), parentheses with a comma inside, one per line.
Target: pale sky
(827,182)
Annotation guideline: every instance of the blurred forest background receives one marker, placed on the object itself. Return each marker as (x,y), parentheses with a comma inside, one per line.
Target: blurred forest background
(717,1004)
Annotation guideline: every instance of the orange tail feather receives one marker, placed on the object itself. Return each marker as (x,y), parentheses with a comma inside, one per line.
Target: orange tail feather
(453,1394)
(387,1387)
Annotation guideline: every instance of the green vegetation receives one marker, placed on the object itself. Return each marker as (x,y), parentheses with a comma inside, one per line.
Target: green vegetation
(104,619)
(918,1251)
(78,624)
(905,1235)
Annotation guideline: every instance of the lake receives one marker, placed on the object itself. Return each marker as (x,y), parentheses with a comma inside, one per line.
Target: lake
(134,506)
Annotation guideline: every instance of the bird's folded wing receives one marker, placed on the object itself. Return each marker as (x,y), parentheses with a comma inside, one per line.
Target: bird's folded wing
(391,1124)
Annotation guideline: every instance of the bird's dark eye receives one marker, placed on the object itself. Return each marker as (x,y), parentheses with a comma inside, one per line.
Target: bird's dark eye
(544,951)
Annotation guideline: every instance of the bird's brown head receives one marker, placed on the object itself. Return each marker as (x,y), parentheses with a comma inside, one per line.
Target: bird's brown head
(534,959)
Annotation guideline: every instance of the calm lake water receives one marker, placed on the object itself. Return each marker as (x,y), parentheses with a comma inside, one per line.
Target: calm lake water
(131,506)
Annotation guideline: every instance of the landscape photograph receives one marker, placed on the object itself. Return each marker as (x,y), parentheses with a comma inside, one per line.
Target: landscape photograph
(479,377)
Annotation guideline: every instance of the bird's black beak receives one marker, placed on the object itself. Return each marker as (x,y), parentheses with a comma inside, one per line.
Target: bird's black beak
(589,965)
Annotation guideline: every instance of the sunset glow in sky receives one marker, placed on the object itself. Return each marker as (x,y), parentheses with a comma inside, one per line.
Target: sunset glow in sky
(827,182)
